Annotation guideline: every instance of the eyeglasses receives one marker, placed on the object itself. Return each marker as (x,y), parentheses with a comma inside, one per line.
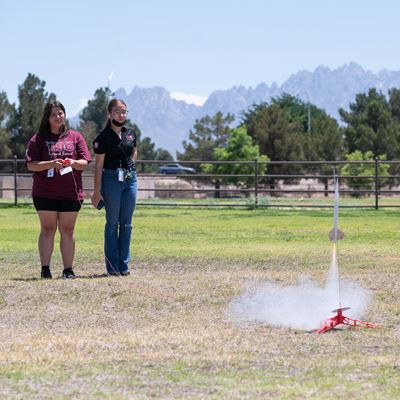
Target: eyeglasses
(57,115)
(123,113)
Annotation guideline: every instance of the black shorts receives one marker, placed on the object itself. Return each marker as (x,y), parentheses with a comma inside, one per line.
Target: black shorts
(43,204)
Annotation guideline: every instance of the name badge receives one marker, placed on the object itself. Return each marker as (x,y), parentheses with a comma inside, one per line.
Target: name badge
(50,172)
(66,170)
(121,175)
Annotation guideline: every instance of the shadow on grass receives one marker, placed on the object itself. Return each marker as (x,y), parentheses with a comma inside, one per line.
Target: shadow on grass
(95,276)
(32,279)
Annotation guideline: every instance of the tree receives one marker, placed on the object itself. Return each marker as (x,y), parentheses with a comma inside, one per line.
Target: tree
(32,99)
(163,155)
(394,109)
(394,104)
(147,151)
(296,110)
(372,124)
(94,116)
(323,139)
(238,148)
(271,129)
(278,138)
(209,133)
(356,171)
(6,112)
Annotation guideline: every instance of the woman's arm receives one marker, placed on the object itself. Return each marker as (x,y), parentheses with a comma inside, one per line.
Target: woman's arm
(78,164)
(37,166)
(98,169)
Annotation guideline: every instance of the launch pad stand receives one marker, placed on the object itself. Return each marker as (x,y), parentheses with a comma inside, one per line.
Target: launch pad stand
(339,319)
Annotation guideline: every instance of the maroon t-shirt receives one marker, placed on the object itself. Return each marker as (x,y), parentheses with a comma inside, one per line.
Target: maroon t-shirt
(49,147)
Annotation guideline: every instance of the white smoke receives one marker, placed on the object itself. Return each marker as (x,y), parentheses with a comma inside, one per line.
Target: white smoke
(110,78)
(303,306)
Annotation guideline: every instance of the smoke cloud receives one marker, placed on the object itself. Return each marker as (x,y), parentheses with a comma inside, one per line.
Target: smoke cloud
(305,305)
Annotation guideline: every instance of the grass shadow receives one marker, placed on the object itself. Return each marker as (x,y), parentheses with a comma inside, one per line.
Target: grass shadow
(33,279)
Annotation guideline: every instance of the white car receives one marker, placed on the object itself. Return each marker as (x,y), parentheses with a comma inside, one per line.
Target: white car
(175,168)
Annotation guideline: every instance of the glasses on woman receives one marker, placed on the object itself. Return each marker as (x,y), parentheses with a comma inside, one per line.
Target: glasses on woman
(59,114)
(118,111)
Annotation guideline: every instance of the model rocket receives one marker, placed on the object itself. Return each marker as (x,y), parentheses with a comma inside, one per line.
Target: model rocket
(334,235)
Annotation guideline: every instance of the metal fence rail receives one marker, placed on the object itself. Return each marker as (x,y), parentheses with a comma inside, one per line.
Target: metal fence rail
(241,185)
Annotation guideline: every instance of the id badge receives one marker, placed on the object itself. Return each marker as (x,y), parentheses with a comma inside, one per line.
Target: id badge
(121,175)
(65,170)
(50,172)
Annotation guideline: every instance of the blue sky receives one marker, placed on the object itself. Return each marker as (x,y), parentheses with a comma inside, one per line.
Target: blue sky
(188,46)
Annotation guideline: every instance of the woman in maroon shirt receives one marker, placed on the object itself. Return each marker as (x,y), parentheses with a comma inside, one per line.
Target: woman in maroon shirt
(57,157)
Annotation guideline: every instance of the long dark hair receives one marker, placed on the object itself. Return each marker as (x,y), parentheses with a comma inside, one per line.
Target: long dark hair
(45,124)
(111,104)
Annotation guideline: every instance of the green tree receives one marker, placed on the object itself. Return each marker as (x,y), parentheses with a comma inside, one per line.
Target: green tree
(322,138)
(163,155)
(355,172)
(272,130)
(238,148)
(371,125)
(394,108)
(394,104)
(7,110)
(147,151)
(32,98)
(277,137)
(93,117)
(321,135)
(296,110)
(209,133)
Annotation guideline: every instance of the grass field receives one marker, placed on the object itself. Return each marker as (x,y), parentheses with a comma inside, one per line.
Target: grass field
(163,332)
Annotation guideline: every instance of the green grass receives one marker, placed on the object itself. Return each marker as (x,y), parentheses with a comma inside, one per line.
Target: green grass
(163,332)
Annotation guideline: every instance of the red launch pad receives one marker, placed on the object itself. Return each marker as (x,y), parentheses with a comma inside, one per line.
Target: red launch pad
(339,319)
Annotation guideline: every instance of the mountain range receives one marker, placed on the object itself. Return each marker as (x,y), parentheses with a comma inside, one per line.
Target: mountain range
(168,121)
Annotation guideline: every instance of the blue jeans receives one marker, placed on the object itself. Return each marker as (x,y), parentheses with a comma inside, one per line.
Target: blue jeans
(119,199)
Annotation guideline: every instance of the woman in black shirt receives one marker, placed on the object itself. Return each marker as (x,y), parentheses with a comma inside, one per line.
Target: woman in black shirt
(115,185)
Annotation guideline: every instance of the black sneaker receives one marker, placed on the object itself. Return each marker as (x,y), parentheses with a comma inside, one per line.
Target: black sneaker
(125,273)
(112,273)
(68,274)
(46,273)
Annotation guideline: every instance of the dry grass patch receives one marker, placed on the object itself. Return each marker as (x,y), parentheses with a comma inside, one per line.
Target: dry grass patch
(163,332)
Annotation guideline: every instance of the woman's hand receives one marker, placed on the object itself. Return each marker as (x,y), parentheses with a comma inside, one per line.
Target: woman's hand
(96,197)
(98,168)
(58,163)
(38,166)
(79,165)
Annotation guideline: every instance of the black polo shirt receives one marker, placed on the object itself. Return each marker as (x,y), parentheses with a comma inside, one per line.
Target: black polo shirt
(118,152)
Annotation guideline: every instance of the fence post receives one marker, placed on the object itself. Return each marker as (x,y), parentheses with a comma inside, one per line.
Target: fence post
(256,182)
(376,183)
(15,181)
